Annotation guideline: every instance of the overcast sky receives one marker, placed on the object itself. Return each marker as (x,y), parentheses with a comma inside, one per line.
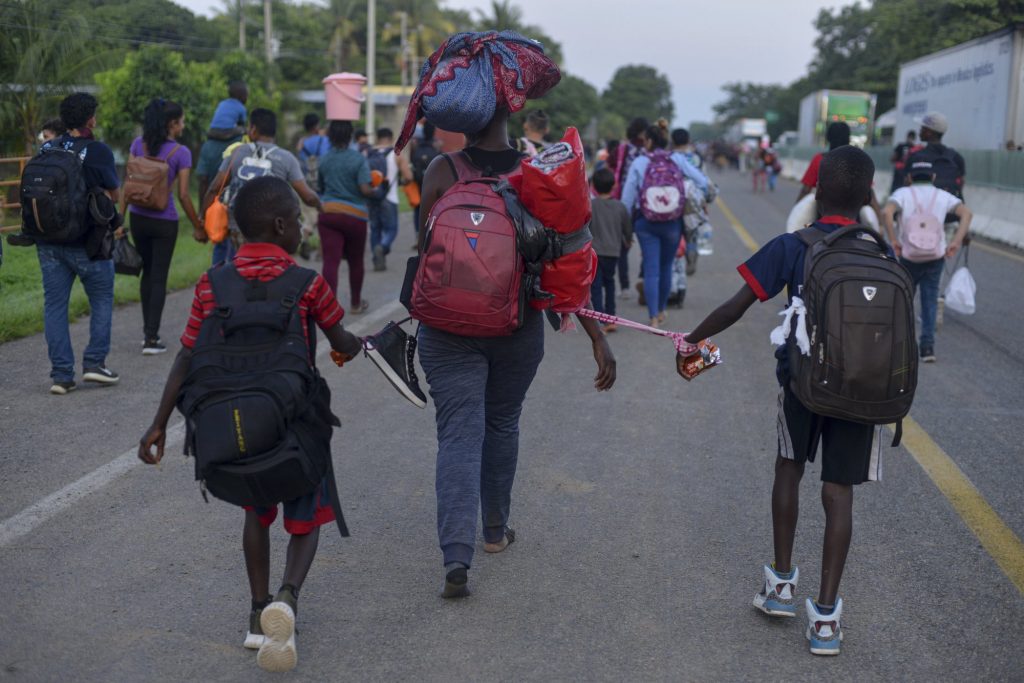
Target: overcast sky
(699,44)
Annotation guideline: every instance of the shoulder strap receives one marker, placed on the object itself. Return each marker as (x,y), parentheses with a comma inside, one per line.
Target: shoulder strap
(173,151)
(811,235)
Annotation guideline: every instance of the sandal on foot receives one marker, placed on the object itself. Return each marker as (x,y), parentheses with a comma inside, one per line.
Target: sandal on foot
(508,539)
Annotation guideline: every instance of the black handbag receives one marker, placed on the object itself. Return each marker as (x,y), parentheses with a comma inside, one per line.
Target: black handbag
(127,260)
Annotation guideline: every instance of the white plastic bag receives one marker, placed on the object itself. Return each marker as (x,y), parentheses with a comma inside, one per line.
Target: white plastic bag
(960,292)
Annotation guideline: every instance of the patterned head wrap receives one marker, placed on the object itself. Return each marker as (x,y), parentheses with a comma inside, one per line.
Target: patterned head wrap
(473,74)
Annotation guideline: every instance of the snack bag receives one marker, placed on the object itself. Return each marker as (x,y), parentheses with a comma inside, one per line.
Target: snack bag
(706,357)
(553,188)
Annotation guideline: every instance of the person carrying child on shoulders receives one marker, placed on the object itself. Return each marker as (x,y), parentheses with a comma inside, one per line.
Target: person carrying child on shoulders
(851,453)
(268,214)
(612,228)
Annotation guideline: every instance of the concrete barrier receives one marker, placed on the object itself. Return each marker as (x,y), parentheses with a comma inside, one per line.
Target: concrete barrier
(998,212)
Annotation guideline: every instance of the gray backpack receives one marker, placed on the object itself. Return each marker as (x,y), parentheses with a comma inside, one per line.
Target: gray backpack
(860,320)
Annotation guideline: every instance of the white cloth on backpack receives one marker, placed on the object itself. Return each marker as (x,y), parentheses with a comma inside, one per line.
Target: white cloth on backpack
(781,333)
(960,292)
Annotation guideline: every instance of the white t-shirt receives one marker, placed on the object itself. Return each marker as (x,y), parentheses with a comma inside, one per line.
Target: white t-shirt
(944,202)
(392,162)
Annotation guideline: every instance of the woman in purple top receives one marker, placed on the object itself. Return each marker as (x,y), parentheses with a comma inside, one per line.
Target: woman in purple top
(155,232)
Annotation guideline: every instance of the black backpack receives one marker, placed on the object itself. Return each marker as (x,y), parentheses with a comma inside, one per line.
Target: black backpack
(54,196)
(860,320)
(421,158)
(948,174)
(377,159)
(258,418)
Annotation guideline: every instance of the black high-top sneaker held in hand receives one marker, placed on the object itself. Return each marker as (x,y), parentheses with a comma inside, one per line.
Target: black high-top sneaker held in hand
(394,352)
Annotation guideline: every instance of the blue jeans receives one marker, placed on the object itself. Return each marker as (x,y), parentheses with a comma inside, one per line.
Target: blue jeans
(383,224)
(624,267)
(60,266)
(926,277)
(658,245)
(223,251)
(478,386)
(602,291)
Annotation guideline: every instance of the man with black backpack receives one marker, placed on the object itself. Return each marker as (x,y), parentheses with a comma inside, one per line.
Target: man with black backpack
(948,166)
(68,197)
(257,411)
(383,203)
(422,151)
(846,364)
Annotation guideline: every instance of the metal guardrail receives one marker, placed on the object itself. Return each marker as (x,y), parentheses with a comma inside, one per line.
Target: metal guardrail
(4,184)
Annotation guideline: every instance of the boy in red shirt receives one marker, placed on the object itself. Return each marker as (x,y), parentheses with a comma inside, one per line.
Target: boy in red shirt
(268,215)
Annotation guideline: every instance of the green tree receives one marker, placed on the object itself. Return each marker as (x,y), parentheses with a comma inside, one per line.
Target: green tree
(157,72)
(639,90)
(42,55)
(504,16)
(573,102)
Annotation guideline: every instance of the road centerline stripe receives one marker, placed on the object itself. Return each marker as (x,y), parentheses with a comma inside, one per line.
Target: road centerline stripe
(998,540)
(22,523)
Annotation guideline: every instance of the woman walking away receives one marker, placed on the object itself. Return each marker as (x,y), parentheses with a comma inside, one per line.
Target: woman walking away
(344,179)
(158,162)
(478,383)
(655,191)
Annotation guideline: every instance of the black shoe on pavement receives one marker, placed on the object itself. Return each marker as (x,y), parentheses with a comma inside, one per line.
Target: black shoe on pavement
(100,375)
(393,352)
(927,354)
(378,258)
(456,584)
(153,347)
(19,240)
(61,388)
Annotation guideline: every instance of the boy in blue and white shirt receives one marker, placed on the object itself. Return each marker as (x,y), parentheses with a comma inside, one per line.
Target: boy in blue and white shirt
(851,452)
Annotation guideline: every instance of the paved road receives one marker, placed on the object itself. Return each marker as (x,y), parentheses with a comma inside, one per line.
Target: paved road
(643,519)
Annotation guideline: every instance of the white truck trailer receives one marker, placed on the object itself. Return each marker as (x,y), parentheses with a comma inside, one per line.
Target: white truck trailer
(978,85)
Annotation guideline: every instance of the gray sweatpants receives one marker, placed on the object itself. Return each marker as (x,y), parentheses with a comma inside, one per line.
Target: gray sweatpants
(478,386)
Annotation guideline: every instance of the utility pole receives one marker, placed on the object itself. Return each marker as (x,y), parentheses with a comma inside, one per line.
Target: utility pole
(371,68)
(405,49)
(241,26)
(268,42)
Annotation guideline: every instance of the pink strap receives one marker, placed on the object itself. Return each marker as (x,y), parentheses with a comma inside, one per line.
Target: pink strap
(683,347)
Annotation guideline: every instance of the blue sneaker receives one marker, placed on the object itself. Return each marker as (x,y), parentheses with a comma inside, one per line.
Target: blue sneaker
(776,597)
(824,630)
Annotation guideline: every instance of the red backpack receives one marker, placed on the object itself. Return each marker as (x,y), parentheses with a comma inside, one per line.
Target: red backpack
(471,278)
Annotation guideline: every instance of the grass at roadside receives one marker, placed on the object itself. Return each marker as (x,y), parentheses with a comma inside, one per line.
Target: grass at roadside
(21,284)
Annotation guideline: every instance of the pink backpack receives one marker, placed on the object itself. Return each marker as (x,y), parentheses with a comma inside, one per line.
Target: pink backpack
(471,279)
(923,232)
(663,190)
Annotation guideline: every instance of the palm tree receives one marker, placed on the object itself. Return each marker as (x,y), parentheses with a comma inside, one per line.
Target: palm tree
(41,55)
(504,16)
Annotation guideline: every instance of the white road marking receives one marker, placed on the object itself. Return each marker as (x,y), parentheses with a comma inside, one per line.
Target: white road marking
(13,528)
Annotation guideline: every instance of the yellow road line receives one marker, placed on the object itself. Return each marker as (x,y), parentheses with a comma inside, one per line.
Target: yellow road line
(741,231)
(998,539)
(998,252)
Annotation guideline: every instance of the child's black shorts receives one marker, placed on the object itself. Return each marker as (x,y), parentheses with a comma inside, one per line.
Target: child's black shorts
(851,453)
